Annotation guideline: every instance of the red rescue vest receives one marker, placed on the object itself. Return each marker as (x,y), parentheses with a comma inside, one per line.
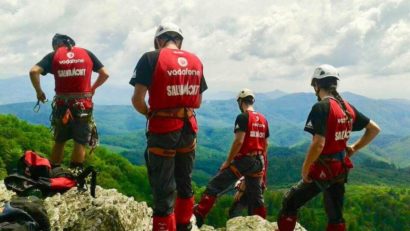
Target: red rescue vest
(72,71)
(338,132)
(338,128)
(176,80)
(255,137)
(175,84)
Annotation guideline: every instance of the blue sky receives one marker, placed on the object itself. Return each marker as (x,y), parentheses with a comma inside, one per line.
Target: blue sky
(262,45)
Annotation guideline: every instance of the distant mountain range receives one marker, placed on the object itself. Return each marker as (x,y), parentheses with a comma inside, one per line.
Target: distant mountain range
(19,89)
(286,114)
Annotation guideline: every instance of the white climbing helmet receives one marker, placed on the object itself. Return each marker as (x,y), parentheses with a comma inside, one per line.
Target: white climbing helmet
(168,27)
(244,93)
(325,71)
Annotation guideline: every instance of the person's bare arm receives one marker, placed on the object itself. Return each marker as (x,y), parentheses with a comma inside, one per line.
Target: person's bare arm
(316,147)
(372,129)
(138,99)
(236,146)
(35,72)
(102,77)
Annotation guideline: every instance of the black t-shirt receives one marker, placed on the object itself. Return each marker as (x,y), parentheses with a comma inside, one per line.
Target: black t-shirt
(47,62)
(317,119)
(241,123)
(145,68)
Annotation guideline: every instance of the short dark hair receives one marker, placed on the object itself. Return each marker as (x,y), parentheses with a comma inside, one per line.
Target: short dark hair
(326,83)
(170,36)
(62,39)
(249,100)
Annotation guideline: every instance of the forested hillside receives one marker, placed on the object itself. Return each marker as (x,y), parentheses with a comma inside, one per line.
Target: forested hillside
(122,129)
(16,136)
(383,206)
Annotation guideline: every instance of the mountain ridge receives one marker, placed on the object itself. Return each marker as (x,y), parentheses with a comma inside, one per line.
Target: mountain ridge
(286,115)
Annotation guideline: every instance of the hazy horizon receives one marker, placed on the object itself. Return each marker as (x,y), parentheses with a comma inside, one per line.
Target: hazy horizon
(262,45)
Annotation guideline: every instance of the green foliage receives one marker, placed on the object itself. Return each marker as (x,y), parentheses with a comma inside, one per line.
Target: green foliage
(366,208)
(382,206)
(115,171)
(17,136)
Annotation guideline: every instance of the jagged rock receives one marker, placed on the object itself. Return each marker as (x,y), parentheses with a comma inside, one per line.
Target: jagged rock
(210,228)
(112,211)
(253,223)
(5,195)
(109,211)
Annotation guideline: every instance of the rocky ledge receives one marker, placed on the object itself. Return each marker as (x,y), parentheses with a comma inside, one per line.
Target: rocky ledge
(112,211)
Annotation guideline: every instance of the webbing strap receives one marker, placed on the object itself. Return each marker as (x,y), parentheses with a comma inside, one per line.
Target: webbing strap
(179,113)
(162,151)
(172,152)
(188,149)
(71,96)
(81,179)
(239,175)
(336,156)
(235,171)
(256,174)
(324,184)
(323,159)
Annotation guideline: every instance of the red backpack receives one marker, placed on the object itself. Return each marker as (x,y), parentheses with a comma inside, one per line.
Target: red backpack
(34,176)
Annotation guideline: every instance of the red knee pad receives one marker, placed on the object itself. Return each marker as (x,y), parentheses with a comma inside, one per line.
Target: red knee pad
(164,223)
(205,205)
(261,211)
(287,223)
(336,227)
(183,210)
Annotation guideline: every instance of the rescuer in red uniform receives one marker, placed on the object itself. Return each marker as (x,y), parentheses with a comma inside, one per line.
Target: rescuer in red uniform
(175,82)
(246,158)
(72,118)
(327,161)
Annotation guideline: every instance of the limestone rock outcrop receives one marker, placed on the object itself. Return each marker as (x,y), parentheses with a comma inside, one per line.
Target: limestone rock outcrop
(112,211)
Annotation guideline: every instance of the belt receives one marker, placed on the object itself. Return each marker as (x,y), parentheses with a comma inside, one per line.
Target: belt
(338,156)
(70,96)
(238,174)
(174,113)
(253,153)
(171,152)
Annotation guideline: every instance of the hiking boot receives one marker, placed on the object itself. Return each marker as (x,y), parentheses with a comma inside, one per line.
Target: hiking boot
(199,220)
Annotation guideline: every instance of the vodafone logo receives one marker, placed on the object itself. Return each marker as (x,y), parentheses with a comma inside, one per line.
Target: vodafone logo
(70,55)
(183,62)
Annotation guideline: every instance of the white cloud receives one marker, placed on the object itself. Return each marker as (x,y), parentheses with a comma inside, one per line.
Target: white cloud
(258,44)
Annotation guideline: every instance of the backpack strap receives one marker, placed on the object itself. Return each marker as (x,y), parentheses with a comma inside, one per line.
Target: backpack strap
(19,183)
(81,179)
(12,214)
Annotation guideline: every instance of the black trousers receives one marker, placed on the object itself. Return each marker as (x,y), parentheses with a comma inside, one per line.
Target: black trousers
(237,206)
(301,193)
(225,178)
(169,176)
